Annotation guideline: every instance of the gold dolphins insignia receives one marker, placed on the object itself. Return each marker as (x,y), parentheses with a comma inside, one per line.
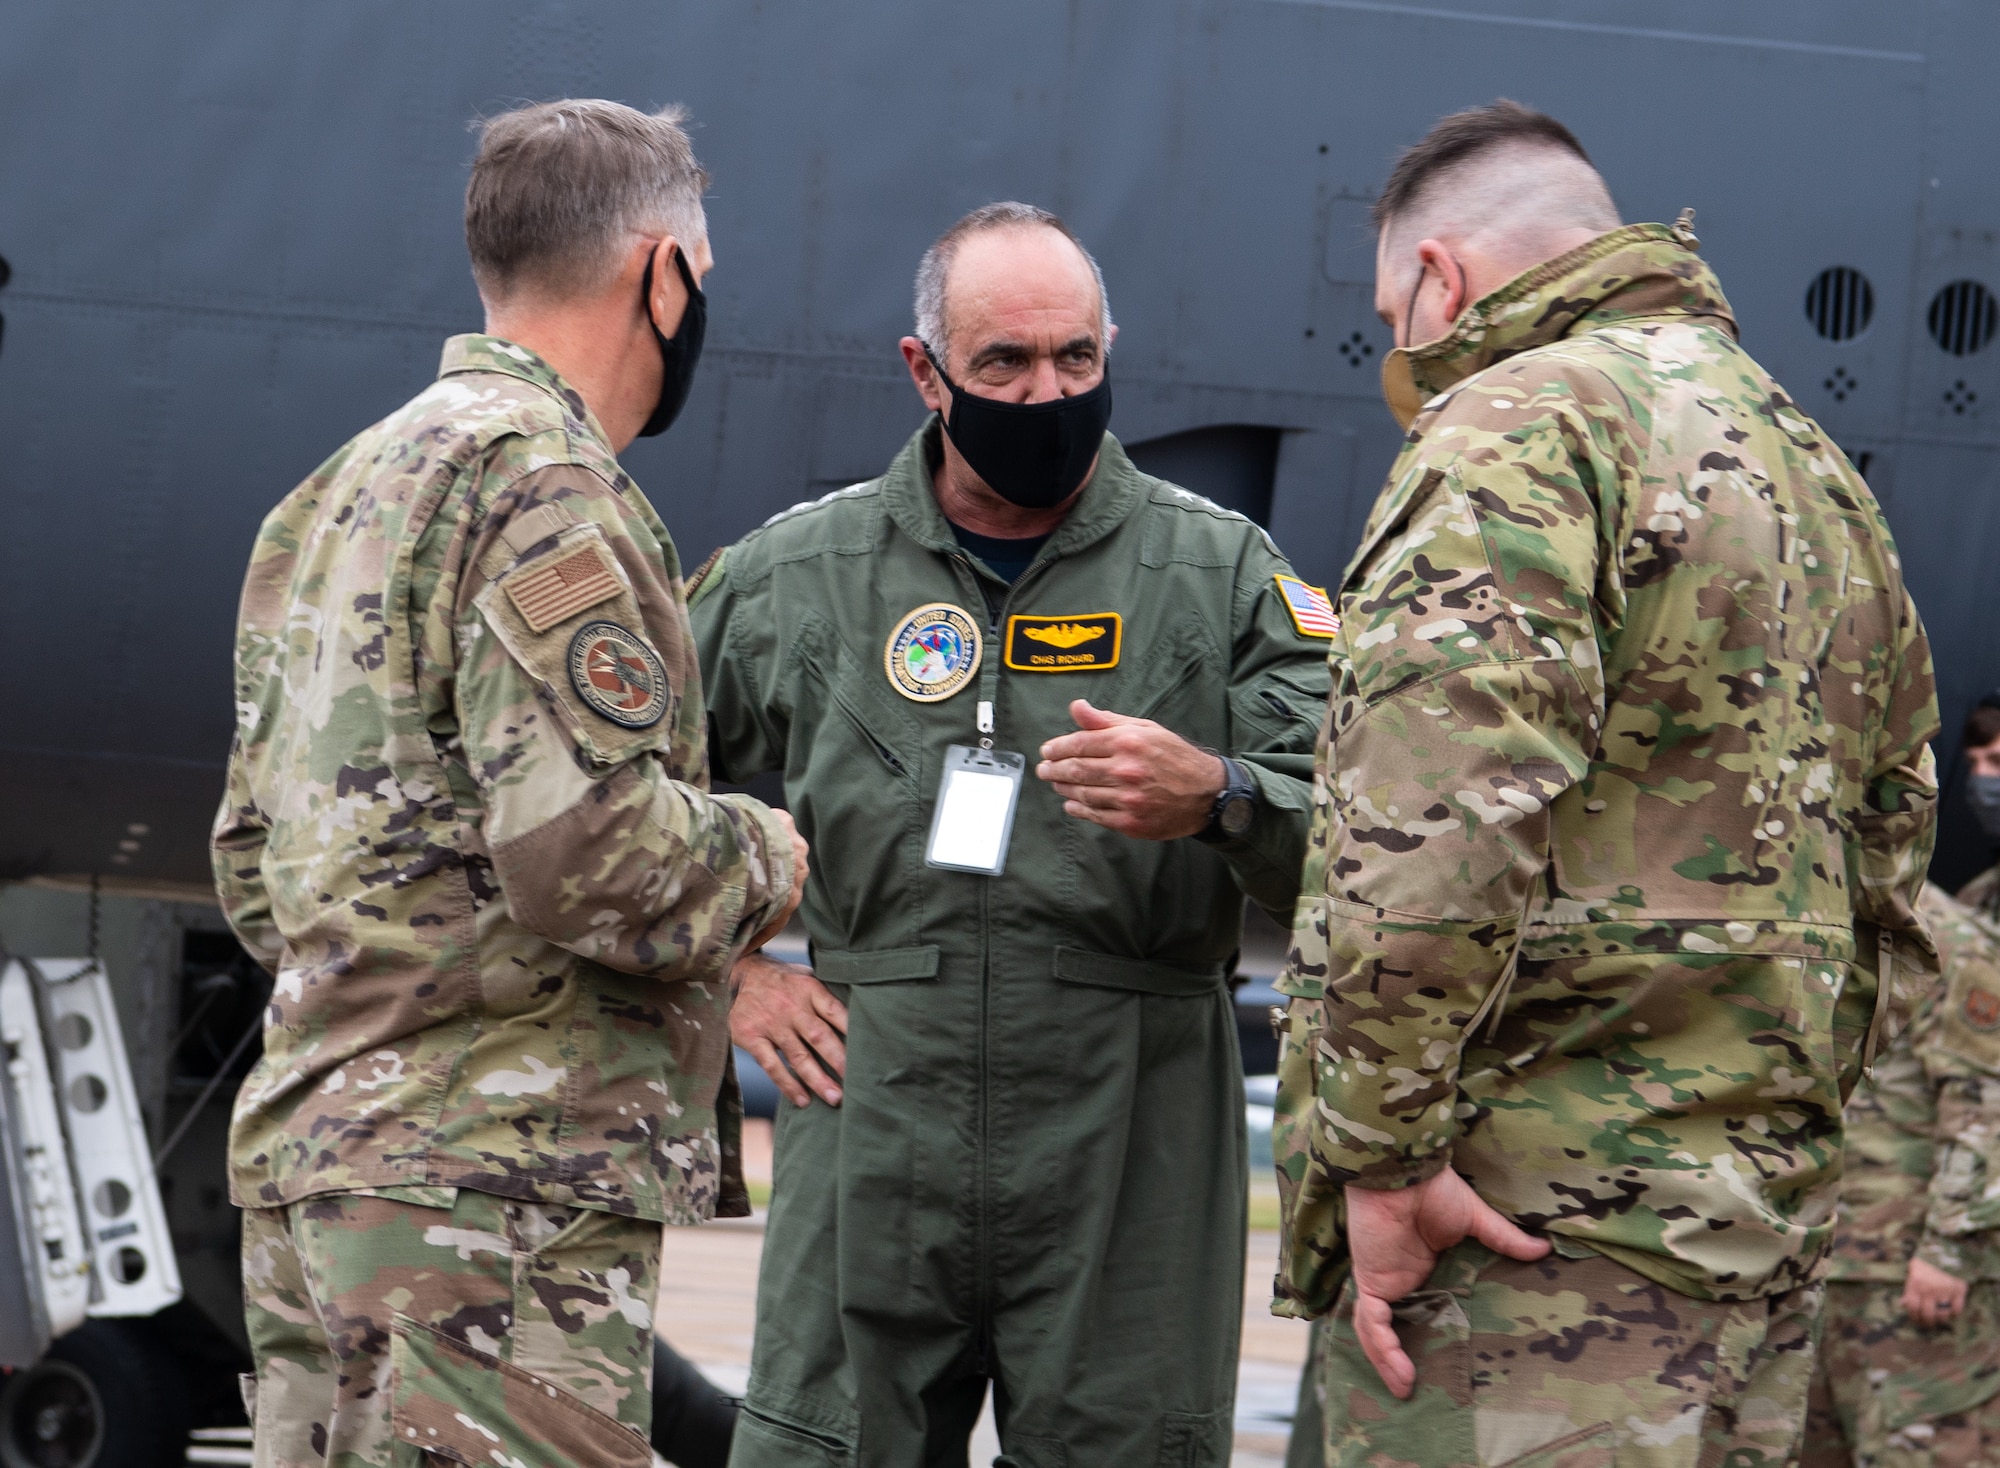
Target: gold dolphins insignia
(1064,634)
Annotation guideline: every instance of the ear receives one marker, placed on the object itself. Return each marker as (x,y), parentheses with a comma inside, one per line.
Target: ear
(668,300)
(929,387)
(1450,274)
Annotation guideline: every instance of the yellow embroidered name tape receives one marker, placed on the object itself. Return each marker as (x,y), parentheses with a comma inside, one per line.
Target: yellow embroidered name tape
(1078,643)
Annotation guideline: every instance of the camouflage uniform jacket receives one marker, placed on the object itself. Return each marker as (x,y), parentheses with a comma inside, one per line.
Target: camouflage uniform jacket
(468,821)
(1923,1132)
(1624,653)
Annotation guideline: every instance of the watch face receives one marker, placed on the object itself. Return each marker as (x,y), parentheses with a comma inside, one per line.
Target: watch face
(1236,815)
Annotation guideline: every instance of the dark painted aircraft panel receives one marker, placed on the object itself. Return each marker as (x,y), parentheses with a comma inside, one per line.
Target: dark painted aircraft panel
(234,233)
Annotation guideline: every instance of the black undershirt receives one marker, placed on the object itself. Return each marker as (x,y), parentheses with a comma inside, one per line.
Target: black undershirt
(1007,559)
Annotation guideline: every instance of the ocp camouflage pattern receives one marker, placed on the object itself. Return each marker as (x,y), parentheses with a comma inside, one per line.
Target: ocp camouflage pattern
(501,921)
(1625,670)
(1570,1363)
(1889,1393)
(1923,1133)
(492,1331)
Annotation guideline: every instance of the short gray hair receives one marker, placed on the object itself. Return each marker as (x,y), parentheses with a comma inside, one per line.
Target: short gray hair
(559,187)
(935,267)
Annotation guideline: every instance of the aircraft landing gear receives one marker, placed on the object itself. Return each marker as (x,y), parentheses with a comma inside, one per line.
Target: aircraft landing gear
(54,1414)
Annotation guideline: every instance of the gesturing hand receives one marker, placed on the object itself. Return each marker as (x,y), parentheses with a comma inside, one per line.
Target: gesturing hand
(1131,776)
(1931,1296)
(1396,1238)
(781,1008)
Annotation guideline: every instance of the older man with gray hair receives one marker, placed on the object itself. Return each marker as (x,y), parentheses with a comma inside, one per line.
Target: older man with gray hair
(1015,1153)
(468,826)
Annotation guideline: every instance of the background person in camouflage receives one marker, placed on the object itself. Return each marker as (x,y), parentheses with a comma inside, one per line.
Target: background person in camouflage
(468,824)
(1909,1366)
(1624,802)
(1981,748)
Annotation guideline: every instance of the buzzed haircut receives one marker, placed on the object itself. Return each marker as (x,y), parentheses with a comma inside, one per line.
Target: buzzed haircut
(1463,135)
(933,329)
(560,188)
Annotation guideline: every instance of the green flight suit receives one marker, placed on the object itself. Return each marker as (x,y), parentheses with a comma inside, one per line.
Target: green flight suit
(1036,1175)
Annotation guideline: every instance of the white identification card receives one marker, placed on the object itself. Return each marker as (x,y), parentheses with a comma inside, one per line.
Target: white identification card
(975,810)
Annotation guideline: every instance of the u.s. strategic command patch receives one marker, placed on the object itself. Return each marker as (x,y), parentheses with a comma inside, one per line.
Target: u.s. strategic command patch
(617,674)
(933,652)
(1073,644)
(1312,611)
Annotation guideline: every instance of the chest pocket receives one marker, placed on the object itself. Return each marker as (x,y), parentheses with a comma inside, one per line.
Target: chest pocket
(566,614)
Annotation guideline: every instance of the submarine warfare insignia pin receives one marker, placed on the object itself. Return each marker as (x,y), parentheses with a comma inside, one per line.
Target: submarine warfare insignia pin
(933,652)
(1073,644)
(617,674)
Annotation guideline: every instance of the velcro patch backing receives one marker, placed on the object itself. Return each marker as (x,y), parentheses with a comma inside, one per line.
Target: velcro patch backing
(558,591)
(1074,644)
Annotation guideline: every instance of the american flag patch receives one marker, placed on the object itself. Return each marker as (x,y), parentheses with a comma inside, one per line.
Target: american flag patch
(560,590)
(1312,613)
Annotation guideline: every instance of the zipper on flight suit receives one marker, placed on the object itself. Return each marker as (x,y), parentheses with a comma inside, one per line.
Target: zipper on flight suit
(989,691)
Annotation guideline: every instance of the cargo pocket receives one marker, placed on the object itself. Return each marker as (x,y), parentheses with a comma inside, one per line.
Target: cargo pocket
(765,1442)
(1138,975)
(1196,1440)
(1594,1447)
(1436,1424)
(453,1402)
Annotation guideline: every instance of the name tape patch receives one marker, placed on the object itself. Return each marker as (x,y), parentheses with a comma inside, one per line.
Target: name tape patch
(1072,644)
(561,589)
(1312,611)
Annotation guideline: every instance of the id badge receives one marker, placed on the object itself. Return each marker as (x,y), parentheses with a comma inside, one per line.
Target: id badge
(975,810)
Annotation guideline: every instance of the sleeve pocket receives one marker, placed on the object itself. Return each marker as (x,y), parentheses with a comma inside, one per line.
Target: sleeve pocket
(568,617)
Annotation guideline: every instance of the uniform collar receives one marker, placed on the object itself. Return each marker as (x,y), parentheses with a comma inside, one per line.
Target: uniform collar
(1640,271)
(1106,503)
(477,352)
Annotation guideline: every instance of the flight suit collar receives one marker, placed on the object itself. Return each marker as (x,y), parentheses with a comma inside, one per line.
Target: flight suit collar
(1107,501)
(1639,271)
(477,352)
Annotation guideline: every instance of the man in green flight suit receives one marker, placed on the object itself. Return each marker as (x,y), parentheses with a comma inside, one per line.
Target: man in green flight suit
(1025,1162)
(1626,802)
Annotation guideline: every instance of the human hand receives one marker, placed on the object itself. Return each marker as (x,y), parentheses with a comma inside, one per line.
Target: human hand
(1931,1296)
(1395,1239)
(801,869)
(780,1008)
(1131,776)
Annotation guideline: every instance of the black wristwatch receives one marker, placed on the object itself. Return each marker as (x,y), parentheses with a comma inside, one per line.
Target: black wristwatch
(1235,807)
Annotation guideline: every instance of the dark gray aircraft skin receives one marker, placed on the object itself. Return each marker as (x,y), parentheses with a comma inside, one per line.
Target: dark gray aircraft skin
(234,233)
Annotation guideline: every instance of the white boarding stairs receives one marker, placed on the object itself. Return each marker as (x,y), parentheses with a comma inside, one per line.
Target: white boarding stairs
(93,1230)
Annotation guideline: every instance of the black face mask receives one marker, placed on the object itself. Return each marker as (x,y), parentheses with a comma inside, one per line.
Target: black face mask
(1032,454)
(678,353)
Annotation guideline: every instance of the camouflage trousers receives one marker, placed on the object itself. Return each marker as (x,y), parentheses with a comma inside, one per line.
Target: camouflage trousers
(1890,1393)
(1570,1363)
(494,1332)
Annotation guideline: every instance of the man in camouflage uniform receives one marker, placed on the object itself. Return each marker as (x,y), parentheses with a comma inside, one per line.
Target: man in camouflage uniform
(1909,1366)
(1624,803)
(468,826)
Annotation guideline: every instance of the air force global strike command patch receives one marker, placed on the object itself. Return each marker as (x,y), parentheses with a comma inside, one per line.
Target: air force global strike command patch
(933,652)
(1312,613)
(1982,1009)
(617,674)
(1074,644)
